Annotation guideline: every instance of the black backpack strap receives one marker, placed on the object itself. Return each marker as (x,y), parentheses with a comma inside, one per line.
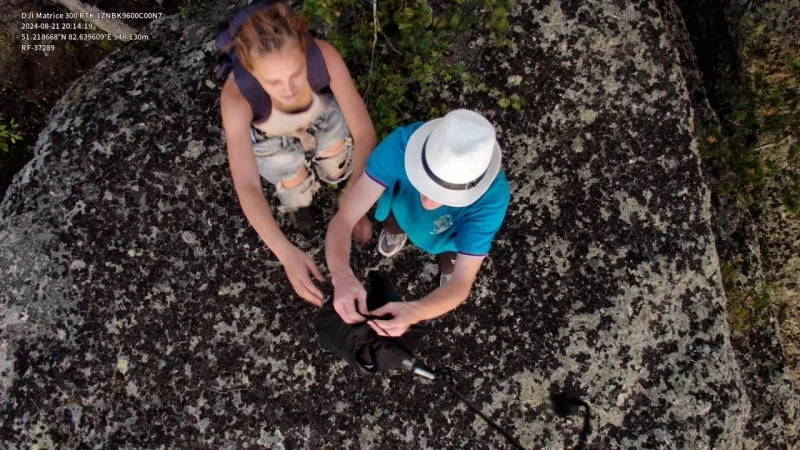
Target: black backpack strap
(444,378)
(251,89)
(318,76)
(224,67)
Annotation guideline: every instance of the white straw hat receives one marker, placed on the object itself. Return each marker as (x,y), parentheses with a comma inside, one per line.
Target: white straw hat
(453,160)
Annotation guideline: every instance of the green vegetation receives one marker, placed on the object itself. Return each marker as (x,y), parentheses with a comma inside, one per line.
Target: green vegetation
(748,307)
(31,101)
(189,8)
(8,134)
(513,101)
(401,53)
(760,106)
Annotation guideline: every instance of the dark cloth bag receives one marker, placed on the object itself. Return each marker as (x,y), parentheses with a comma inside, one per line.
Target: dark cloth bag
(359,344)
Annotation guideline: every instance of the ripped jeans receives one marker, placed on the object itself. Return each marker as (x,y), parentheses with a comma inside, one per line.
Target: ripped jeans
(282,157)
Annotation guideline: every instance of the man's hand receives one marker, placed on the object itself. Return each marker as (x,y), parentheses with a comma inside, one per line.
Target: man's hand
(404,314)
(349,297)
(298,265)
(362,231)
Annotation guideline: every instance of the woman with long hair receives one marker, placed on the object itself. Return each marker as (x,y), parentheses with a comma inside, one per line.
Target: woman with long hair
(291,115)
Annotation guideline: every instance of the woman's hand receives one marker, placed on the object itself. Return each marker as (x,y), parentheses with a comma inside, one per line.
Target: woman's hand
(298,265)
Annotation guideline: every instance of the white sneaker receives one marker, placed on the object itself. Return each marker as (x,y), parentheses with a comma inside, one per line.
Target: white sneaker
(444,278)
(390,244)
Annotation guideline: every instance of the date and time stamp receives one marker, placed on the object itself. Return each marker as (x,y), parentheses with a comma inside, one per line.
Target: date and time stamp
(41,32)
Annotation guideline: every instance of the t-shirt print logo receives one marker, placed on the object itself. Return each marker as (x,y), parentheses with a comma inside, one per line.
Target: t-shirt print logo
(442,224)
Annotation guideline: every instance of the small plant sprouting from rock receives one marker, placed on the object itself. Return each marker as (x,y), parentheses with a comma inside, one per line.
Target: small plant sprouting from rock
(748,307)
(792,190)
(8,134)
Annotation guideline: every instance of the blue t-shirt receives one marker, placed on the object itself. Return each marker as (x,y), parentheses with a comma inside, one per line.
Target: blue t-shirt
(468,230)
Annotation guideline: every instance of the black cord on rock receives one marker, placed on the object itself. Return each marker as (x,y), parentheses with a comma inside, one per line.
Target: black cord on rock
(564,404)
(445,379)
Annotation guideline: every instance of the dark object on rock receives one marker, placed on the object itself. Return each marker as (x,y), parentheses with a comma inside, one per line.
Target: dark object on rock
(567,404)
(303,219)
(358,344)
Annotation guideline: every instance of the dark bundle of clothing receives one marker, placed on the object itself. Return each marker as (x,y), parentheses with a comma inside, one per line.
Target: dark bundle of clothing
(369,353)
(359,344)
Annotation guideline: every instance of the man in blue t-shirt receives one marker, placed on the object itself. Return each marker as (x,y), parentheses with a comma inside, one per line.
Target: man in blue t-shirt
(438,184)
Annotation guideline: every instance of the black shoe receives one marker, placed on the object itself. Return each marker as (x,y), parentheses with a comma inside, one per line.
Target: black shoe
(303,219)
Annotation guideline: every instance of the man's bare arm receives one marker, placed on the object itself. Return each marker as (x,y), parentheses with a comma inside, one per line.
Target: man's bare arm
(437,303)
(454,292)
(337,242)
(349,295)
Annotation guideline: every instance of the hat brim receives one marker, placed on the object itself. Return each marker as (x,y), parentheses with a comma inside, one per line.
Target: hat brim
(429,188)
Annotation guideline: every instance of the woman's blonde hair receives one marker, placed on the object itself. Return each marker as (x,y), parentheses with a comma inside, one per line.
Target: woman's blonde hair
(267,31)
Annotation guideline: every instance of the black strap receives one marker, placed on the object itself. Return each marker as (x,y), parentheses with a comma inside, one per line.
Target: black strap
(442,381)
(444,378)
(564,404)
(587,427)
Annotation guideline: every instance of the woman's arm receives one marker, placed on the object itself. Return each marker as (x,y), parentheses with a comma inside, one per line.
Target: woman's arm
(236,118)
(353,108)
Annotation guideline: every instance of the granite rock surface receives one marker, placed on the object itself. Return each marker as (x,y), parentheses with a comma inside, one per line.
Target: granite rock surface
(139,310)
(760,345)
